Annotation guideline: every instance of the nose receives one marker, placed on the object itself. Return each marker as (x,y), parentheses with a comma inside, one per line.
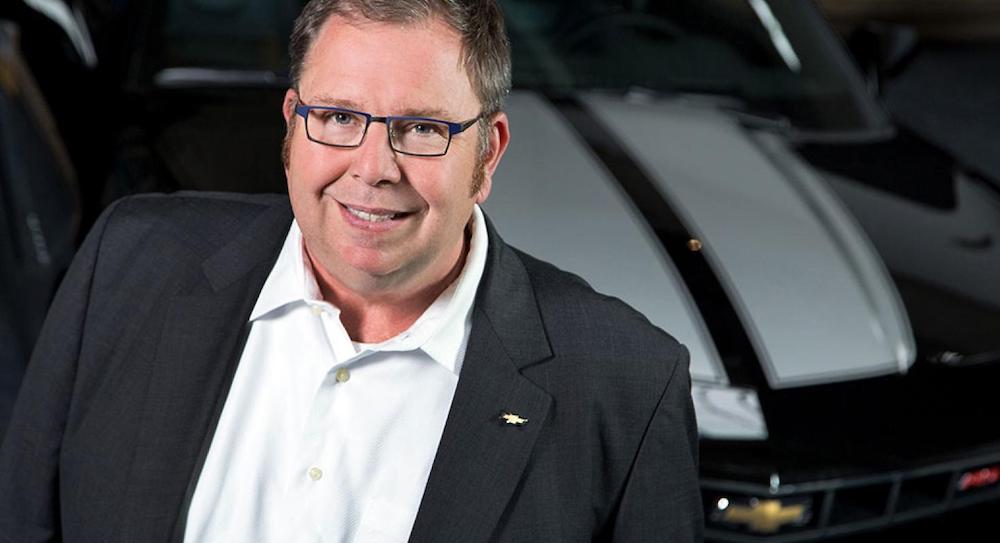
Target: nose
(375,161)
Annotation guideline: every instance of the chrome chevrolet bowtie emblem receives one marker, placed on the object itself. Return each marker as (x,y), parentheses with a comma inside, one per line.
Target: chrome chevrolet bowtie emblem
(766,516)
(513,418)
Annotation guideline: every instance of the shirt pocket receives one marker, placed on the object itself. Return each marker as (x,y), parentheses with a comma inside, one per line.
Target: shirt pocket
(385,522)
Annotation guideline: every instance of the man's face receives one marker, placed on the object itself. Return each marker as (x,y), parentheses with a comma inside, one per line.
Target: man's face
(343,198)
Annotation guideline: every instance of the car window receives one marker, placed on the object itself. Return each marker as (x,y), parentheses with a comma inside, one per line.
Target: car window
(773,57)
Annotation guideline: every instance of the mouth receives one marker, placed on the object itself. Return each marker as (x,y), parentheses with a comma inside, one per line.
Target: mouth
(373,217)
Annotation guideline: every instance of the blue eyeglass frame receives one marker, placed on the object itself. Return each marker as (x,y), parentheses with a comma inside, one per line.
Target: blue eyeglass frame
(303,110)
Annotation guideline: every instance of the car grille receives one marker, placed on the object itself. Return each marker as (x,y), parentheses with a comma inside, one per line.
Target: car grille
(840,506)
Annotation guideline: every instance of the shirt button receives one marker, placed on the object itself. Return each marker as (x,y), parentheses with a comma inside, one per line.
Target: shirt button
(343,375)
(317,310)
(315,473)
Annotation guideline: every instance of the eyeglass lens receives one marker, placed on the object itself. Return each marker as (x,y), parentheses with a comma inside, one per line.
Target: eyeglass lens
(344,128)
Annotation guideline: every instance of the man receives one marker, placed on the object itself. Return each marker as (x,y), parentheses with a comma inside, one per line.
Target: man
(372,364)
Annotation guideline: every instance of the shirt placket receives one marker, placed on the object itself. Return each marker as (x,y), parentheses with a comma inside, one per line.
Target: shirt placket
(326,433)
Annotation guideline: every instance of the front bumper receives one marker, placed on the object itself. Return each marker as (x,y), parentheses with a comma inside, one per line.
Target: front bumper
(803,511)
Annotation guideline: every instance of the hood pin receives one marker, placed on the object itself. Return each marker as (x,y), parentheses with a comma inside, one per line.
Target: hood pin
(513,418)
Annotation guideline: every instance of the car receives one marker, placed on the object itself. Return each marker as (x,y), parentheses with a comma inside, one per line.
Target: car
(724,168)
(40,212)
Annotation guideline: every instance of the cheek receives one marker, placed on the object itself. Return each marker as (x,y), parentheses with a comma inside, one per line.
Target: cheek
(310,170)
(432,186)
(448,184)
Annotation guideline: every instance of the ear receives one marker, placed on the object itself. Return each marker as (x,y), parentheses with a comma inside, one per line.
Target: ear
(288,106)
(499,137)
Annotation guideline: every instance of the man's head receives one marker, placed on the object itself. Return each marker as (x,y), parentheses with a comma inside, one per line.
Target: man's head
(377,221)
(485,49)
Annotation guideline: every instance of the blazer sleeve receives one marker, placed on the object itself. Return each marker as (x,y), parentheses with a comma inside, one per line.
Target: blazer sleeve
(662,499)
(29,456)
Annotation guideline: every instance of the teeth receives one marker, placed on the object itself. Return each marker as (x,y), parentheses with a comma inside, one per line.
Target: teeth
(370,217)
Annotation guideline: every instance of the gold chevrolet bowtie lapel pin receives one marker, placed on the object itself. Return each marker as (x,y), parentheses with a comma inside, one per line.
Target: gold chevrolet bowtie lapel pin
(513,418)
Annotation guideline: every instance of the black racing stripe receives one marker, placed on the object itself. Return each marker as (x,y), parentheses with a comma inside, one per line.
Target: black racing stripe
(738,355)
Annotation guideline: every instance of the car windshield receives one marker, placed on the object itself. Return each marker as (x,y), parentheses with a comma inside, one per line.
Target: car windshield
(770,57)
(773,57)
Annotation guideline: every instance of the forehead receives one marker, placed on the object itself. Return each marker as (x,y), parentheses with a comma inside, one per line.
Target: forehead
(388,66)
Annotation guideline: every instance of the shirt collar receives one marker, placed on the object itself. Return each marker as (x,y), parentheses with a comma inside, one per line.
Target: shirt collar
(448,337)
(441,331)
(290,279)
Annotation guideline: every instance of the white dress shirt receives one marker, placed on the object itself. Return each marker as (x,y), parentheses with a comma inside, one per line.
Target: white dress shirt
(324,439)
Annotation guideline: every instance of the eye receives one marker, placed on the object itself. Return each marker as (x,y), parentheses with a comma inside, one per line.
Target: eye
(342,118)
(331,116)
(338,117)
(423,129)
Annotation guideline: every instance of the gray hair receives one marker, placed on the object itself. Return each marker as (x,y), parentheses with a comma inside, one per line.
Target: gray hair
(485,47)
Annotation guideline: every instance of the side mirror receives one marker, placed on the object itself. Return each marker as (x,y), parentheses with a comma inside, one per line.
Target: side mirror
(882,51)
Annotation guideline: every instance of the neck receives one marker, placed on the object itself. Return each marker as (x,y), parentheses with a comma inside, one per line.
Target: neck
(379,314)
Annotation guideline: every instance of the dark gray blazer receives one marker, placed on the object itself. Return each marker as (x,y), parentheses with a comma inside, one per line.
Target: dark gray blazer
(129,377)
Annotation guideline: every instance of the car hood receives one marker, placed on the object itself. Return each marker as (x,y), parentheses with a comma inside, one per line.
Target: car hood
(937,227)
(808,289)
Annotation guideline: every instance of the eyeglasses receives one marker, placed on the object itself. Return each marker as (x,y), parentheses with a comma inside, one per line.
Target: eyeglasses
(418,136)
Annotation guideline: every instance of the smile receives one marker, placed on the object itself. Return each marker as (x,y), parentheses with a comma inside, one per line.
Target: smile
(371,217)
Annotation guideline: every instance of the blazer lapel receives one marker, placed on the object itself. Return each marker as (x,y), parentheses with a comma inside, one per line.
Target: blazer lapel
(481,457)
(197,354)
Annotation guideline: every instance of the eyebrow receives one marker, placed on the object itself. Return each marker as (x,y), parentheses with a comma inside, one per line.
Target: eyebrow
(327,100)
(431,113)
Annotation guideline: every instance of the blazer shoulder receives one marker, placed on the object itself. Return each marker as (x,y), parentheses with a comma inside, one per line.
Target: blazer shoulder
(592,324)
(200,220)
(193,207)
